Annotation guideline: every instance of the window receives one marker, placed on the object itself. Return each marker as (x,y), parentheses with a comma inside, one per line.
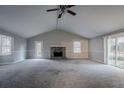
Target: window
(38,48)
(5,45)
(77,47)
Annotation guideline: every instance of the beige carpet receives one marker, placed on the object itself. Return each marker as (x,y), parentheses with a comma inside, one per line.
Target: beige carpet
(60,73)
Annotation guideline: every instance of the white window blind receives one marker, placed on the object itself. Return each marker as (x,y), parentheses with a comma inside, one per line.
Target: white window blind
(5,45)
(77,47)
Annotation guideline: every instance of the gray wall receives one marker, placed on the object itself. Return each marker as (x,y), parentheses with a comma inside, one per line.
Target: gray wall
(97,49)
(60,38)
(18,49)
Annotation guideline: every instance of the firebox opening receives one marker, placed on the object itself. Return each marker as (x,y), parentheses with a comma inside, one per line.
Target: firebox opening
(57,52)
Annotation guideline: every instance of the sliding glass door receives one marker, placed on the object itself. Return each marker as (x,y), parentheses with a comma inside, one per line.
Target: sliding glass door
(112,51)
(116,51)
(120,52)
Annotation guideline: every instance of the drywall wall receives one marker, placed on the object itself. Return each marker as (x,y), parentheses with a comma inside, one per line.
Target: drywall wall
(98,46)
(18,49)
(58,38)
(97,49)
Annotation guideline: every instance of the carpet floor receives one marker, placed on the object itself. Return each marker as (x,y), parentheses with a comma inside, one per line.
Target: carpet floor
(43,73)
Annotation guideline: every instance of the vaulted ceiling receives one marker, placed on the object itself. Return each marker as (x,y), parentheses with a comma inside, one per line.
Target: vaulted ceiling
(90,21)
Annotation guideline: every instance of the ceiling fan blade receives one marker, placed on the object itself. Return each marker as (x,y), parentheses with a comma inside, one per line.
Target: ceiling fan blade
(69,6)
(56,9)
(60,15)
(71,12)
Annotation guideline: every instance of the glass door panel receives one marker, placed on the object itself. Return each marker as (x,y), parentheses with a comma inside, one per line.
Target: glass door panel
(120,52)
(112,51)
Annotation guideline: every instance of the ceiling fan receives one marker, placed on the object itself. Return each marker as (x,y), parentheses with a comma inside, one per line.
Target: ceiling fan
(62,9)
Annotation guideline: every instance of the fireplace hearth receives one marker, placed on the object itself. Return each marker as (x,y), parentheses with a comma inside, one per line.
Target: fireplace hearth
(57,52)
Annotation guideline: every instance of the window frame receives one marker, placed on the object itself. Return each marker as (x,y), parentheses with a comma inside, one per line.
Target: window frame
(41,48)
(4,46)
(77,48)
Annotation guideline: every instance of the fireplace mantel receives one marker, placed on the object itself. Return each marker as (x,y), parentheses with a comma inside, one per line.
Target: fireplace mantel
(57,46)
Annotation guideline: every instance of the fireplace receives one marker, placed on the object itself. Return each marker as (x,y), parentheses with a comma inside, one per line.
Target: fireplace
(57,52)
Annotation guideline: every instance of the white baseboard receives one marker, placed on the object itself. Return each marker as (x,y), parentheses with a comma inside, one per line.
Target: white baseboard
(97,60)
(8,63)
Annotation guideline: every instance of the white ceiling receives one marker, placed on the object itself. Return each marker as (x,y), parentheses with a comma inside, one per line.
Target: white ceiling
(90,21)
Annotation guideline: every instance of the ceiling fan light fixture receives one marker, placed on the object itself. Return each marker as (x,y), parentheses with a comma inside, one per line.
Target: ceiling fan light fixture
(63,9)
